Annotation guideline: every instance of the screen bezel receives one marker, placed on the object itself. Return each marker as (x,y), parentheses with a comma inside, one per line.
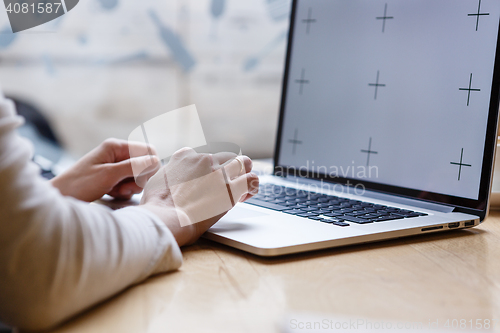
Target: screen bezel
(477,207)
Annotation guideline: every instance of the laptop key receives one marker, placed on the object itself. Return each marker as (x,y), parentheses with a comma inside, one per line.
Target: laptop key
(388,218)
(383,212)
(310,209)
(333,214)
(264,198)
(293,211)
(334,219)
(356,213)
(300,206)
(266,204)
(321,211)
(344,210)
(341,224)
(307,214)
(398,214)
(371,216)
(278,201)
(322,205)
(355,219)
(358,207)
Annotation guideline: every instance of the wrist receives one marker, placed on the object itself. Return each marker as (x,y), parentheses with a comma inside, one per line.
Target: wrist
(170,217)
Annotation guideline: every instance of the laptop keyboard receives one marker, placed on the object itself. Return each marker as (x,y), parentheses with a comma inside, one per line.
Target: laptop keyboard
(326,208)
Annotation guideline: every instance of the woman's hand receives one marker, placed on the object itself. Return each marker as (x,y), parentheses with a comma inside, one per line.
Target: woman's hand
(193,191)
(108,170)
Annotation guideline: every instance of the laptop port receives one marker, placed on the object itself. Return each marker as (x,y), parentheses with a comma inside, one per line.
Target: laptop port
(432,228)
(469,224)
(453,225)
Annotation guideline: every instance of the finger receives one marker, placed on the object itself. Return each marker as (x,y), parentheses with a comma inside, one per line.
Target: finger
(134,167)
(220,159)
(151,149)
(120,150)
(125,189)
(137,149)
(238,166)
(144,167)
(244,185)
(253,186)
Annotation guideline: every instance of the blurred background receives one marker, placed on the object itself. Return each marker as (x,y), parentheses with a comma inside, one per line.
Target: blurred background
(109,65)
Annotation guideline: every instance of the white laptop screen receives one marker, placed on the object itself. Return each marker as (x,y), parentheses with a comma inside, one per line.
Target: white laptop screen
(391,92)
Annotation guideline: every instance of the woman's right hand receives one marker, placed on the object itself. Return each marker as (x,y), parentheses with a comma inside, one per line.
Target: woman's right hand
(193,191)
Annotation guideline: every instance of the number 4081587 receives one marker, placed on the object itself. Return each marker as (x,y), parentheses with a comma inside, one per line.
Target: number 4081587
(27,8)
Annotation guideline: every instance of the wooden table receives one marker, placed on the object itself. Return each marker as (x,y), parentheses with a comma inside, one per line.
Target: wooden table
(441,276)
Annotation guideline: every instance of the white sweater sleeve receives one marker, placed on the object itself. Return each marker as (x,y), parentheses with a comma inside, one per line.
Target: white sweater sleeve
(59,255)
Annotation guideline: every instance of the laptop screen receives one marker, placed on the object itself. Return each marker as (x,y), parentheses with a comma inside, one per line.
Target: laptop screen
(397,95)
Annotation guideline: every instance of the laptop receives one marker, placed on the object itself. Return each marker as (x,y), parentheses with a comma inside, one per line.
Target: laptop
(387,126)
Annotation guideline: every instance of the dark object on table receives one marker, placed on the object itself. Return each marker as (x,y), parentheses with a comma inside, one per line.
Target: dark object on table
(38,130)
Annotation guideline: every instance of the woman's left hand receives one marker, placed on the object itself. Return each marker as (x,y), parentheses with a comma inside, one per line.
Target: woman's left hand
(108,169)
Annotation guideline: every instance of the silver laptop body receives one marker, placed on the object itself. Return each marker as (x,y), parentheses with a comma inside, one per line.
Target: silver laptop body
(388,117)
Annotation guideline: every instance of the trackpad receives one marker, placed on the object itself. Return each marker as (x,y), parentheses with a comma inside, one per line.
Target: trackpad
(236,220)
(238,212)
